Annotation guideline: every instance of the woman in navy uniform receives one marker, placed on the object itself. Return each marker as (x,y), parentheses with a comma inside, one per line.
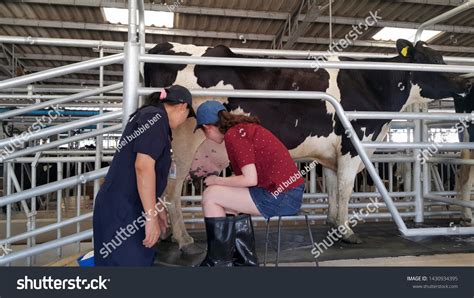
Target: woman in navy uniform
(129,214)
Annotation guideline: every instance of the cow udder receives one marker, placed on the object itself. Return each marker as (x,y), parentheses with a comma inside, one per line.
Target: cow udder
(210,159)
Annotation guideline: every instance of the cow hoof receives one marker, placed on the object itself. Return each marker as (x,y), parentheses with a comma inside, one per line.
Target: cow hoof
(466,222)
(331,224)
(166,236)
(353,239)
(192,249)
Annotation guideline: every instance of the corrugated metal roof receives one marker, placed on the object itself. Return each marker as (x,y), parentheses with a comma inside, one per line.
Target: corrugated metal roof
(400,11)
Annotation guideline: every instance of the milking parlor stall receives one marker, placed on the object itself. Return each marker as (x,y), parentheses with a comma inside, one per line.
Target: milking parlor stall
(373,100)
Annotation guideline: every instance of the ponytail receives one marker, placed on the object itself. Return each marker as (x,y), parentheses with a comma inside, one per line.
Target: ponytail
(154,99)
(228,120)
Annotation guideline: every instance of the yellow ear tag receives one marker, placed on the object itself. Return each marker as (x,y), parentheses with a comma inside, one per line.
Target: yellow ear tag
(404,51)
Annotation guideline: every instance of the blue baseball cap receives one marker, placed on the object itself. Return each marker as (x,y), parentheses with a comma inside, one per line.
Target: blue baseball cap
(208,113)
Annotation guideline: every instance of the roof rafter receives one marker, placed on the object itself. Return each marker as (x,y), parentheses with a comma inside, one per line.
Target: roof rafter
(203,34)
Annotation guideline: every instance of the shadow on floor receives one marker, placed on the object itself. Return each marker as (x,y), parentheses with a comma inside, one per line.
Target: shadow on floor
(380,240)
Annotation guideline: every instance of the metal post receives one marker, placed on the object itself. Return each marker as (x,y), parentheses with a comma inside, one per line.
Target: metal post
(130,80)
(131,76)
(142,32)
(417,170)
(312,180)
(8,225)
(426,169)
(100,126)
(58,205)
(132,21)
(33,199)
(78,204)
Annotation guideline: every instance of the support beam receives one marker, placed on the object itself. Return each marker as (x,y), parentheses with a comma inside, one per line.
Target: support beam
(6,71)
(286,27)
(301,23)
(205,34)
(433,2)
(291,26)
(382,23)
(9,56)
(306,19)
(210,11)
(124,28)
(184,9)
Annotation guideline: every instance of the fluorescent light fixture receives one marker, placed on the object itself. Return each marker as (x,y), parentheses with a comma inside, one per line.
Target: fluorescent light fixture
(152,18)
(394,33)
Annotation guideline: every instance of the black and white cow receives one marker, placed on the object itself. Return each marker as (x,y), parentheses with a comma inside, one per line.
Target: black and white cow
(309,128)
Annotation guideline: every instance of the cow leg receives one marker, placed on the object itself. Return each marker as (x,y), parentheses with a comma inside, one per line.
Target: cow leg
(466,214)
(184,145)
(464,185)
(180,234)
(330,177)
(346,174)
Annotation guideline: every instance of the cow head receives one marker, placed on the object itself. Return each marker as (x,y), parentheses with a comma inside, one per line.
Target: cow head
(433,85)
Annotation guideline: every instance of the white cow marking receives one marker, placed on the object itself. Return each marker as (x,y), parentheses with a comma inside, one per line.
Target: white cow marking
(333,87)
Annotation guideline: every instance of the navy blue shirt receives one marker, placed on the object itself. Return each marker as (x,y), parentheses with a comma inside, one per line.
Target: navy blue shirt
(148,132)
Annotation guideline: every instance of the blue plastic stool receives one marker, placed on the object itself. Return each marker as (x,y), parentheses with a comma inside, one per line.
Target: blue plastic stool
(86,260)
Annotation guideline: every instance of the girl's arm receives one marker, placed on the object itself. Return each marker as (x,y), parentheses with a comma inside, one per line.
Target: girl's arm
(145,169)
(248,178)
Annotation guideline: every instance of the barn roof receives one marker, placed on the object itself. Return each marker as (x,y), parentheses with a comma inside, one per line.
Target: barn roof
(238,24)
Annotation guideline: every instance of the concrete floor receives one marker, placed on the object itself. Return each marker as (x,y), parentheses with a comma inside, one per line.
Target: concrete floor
(445,260)
(383,246)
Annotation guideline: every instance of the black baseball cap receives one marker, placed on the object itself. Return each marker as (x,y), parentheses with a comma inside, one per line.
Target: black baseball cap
(177,94)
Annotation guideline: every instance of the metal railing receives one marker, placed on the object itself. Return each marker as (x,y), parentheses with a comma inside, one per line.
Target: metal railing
(133,59)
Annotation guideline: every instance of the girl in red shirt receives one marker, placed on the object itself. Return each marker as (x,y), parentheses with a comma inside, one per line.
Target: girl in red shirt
(266,182)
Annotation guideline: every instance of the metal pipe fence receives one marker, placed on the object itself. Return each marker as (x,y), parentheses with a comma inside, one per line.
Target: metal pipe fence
(84,43)
(60,71)
(134,58)
(279,63)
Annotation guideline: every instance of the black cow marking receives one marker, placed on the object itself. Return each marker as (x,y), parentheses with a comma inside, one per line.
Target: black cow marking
(270,112)
(370,90)
(168,72)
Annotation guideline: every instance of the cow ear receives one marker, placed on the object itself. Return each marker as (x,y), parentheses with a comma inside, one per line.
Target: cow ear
(404,48)
(421,44)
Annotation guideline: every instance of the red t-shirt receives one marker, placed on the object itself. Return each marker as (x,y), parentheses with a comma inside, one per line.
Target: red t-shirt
(249,143)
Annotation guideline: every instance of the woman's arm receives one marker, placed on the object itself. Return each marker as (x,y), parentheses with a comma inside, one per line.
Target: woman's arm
(248,178)
(145,169)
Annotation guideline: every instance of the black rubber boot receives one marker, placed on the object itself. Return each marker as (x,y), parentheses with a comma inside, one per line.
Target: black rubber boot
(245,254)
(220,242)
